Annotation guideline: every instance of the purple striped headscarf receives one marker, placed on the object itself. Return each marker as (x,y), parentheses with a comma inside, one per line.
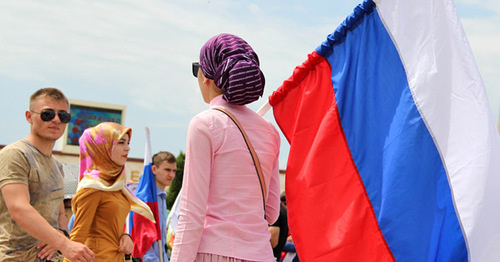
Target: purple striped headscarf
(233,65)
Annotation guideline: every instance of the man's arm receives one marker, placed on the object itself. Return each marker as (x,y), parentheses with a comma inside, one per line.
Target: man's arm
(62,222)
(16,197)
(152,253)
(275,235)
(62,219)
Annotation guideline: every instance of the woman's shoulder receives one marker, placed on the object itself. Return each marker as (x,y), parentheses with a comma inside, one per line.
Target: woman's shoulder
(89,193)
(207,117)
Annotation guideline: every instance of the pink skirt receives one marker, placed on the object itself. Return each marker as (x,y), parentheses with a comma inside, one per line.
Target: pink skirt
(204,257)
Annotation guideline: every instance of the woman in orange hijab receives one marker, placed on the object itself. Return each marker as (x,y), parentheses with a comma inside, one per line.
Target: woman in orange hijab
(102,201)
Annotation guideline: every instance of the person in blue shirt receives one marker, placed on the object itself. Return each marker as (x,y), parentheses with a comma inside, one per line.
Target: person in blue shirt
(164,167)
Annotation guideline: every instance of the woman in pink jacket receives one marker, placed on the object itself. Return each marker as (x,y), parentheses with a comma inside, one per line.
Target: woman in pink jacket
(222,216)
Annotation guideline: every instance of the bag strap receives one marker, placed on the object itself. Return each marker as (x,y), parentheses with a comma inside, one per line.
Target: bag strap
(252,152)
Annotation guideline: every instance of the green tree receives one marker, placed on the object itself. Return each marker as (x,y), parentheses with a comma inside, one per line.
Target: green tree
(176,185)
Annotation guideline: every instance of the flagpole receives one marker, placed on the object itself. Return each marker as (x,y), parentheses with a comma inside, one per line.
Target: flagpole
(160,250)
(264,108)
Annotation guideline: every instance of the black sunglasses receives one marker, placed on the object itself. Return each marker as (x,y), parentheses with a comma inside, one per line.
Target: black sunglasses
(196,67)
(49,114)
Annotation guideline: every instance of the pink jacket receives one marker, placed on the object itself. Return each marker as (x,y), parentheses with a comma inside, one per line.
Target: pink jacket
(221,208)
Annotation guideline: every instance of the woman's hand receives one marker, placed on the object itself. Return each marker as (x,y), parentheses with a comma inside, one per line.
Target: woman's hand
(126,244)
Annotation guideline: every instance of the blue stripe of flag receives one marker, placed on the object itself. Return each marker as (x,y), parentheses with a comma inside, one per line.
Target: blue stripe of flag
(146,189)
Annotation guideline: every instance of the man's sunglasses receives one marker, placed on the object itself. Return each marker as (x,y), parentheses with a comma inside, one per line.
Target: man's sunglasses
(49,114)
(196,67)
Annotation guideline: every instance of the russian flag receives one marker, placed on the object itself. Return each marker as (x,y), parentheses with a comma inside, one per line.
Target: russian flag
(143,231)
(394,154)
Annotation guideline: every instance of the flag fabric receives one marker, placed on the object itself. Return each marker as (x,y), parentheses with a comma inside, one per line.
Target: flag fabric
(394,154)
(172,221)
(143,231)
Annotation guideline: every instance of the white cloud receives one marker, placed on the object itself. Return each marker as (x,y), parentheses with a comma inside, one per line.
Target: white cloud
(139,53)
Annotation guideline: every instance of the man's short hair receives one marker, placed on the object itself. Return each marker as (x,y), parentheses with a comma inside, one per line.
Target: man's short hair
(283,197)
(51,92)
(162,156)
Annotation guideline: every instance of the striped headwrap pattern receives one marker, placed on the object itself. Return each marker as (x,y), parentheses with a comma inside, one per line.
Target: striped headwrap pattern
(234,66)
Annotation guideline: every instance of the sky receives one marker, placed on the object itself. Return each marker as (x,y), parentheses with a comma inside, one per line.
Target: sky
(138,53)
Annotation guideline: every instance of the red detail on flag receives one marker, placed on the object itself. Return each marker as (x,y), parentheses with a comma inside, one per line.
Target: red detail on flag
(330,215)
(144,232)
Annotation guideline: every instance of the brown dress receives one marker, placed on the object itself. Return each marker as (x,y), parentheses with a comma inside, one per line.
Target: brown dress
(100,222)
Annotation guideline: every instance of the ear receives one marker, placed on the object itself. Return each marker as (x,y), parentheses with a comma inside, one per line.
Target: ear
(153,168)
(206,81)
(28,115)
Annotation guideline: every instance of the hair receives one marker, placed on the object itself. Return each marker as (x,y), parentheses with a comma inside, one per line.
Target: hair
(283,196)
(51,92)
(162,156)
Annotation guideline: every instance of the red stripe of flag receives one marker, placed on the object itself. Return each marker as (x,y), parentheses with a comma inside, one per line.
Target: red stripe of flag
(330,216)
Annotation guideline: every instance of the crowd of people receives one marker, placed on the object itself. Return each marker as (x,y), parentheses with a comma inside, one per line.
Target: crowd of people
(230,206)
